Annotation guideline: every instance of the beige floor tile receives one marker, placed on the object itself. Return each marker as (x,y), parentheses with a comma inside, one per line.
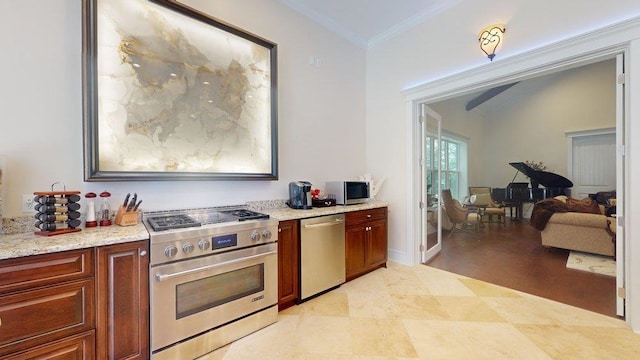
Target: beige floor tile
(380,337)
(481,288)
(269,340)
(321,335)
(534,310)
(446,316)
(370,283)
(303,356)
(467,340)
(444,285)
(579,342)
(373,305)
(333,303)
(406,282)
(419,307)
(465,308)
(619,343)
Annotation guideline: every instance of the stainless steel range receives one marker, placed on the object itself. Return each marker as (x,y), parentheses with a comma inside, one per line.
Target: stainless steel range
(213,278)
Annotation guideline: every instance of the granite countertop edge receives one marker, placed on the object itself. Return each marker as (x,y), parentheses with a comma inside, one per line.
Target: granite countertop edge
(286,213)
(28,244)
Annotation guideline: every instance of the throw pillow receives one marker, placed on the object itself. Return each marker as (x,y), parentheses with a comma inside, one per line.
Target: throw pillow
(482,199)
(562,198)
(584,206)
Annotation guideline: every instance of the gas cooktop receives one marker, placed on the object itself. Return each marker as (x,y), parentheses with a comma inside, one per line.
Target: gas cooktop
(178,219)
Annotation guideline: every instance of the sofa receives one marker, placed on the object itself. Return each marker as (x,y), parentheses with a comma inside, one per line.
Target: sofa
(582,231)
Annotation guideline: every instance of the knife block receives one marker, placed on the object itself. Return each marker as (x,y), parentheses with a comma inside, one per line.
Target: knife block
(126,218)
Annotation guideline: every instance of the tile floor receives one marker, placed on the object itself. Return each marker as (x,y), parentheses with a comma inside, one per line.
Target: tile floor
(424,313)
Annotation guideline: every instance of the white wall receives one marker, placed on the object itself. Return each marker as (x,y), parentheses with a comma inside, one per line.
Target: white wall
(321,109)
(421,56)
(529,121)
(445,45)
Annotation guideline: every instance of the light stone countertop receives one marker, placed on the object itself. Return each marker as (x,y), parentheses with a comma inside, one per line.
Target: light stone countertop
(26,244)
(286,213)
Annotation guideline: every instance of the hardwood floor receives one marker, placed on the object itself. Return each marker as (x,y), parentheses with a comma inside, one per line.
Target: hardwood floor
(514,257)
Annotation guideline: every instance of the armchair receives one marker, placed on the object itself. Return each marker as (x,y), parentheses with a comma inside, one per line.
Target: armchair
(483,197)
(461,218)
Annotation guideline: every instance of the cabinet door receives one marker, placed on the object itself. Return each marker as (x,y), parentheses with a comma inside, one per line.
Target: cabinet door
(122,328)
(355,237)
(288,263)
(47,269)
(377,243)
(77,347)
(34,317)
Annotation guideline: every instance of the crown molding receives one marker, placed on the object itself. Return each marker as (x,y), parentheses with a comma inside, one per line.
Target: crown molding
(413,21)
(589,47)
(389,33)
(327,22)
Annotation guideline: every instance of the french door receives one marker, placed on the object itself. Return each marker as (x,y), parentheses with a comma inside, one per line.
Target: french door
(621,98)
(430,174)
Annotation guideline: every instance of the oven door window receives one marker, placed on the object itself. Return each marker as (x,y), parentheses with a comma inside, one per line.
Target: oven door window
(199,295)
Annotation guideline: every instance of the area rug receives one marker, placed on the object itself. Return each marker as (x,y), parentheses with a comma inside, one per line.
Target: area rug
(598,264)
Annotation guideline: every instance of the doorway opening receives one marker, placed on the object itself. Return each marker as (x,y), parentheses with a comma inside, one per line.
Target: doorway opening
(491,175)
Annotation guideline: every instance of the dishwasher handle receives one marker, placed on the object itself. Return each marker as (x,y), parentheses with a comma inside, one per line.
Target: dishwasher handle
(325,224)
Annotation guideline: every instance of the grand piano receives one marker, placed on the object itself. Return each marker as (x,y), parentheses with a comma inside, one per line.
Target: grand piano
(518,193)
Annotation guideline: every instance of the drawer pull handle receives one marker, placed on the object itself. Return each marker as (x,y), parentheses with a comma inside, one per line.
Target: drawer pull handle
(368,215)
(143,253)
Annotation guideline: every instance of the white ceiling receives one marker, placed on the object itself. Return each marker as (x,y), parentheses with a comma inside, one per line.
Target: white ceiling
(366,22)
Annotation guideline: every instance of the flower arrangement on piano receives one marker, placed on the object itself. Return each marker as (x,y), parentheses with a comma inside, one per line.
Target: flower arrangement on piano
(536,165)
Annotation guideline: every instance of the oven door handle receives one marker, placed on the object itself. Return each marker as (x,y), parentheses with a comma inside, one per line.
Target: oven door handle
(163,277)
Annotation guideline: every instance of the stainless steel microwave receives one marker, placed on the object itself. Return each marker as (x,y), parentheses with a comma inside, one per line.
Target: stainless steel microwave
(348,192)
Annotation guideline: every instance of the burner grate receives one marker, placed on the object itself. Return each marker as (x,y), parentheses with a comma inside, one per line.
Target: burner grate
(244,214)
(168,222)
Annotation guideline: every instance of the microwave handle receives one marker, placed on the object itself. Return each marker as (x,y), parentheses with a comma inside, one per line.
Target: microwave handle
(163,277)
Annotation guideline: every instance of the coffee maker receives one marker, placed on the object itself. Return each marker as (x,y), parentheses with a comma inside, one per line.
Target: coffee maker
(300,195)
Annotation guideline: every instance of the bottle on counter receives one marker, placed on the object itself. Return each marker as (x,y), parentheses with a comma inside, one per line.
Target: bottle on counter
(91,210)
(105,209)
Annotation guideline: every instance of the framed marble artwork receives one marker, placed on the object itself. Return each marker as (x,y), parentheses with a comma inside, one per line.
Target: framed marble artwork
(171,93)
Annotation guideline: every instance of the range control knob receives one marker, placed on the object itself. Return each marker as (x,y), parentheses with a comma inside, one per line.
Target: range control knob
(187,248)
(171,251)
(255,236)
(203,244)
(266,234)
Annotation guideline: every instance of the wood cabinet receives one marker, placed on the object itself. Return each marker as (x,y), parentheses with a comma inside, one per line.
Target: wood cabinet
(80,346)
(122,322)
(46,300)
(365,241)
(288,263)
(81,304)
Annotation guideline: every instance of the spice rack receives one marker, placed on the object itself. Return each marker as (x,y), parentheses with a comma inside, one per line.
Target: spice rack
(57,212)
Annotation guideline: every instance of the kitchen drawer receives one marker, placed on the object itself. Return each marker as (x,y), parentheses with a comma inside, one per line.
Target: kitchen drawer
(39,270)
(45,314)
(355,217)
(81,346)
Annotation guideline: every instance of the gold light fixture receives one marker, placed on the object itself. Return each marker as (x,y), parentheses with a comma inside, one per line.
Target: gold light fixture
(490,38)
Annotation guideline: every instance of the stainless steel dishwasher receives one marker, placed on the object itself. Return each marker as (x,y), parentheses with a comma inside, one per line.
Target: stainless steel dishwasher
(322,263)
